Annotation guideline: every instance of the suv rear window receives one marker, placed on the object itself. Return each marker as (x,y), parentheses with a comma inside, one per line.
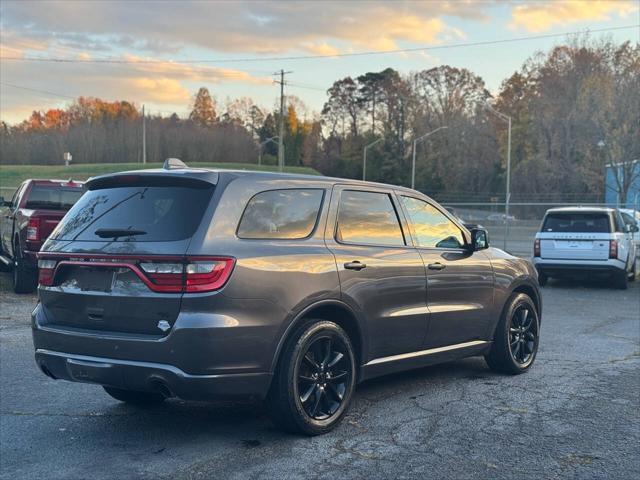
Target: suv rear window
(577,223)
(285,214)
(151,213)
(52,197)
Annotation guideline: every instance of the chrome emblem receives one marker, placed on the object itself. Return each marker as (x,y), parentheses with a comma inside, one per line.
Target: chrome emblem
(164,325)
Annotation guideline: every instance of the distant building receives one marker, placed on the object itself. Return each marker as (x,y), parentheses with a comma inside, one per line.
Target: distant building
(612,195)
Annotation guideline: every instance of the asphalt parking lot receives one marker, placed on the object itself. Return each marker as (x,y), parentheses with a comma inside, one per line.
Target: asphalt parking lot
(576,414)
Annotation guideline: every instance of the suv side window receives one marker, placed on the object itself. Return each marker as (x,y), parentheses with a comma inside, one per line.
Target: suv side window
(431,227)
(281,214)
(368,218)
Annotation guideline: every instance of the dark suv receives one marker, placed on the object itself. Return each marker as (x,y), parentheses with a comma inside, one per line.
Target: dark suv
(204,284)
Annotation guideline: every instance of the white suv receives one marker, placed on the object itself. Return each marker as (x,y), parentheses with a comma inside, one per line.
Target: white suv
(572,240)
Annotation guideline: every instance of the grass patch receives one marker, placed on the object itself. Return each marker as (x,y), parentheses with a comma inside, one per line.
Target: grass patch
(14,175)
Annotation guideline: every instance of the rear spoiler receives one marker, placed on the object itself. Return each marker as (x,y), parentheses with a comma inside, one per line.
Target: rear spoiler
(154,178)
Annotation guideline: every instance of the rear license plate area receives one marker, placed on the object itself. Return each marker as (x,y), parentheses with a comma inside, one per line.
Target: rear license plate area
(93,279)
(574,244)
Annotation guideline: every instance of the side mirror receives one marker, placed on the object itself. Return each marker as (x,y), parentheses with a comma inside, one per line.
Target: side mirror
(631,228)
(479,239)
(3,202)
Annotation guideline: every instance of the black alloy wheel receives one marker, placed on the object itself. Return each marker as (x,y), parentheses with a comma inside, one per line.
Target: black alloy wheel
(315,379)
(323,375)
(523,335)
(517,335)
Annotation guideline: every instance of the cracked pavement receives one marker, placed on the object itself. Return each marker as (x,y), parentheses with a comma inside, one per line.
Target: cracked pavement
(576,414)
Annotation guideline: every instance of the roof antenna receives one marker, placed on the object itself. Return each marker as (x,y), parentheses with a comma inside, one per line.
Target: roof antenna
(170,163)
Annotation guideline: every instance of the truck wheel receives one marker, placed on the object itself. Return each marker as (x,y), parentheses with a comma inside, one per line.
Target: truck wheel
(315,379)
(134,398)
(515,342)
(25,279)
(621,280)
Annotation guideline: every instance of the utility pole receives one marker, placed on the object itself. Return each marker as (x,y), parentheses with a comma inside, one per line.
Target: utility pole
(282,73)
(507,198)
(144,136)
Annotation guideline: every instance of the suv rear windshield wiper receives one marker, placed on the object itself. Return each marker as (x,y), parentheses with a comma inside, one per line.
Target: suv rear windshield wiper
(117,232)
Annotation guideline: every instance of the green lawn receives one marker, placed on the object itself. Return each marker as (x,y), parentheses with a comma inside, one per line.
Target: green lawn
(13,175)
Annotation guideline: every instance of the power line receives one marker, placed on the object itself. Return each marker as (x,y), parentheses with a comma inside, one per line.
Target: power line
(311,57)
(47,92)
(305,86)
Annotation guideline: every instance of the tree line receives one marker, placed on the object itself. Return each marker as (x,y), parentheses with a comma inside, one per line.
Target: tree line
(574,109)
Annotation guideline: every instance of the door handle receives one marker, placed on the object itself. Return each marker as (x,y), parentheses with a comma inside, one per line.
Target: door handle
(436,266)
(355,265)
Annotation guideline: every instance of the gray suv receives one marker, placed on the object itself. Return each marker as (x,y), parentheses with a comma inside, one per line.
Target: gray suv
(202,284)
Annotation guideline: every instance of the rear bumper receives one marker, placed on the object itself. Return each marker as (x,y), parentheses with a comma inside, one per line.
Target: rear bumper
(204,356)
(150,377)
(568,267)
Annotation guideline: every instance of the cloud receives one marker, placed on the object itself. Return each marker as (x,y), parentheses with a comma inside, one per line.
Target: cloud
(542,16)
(163,84)
(257,27)
(160,90)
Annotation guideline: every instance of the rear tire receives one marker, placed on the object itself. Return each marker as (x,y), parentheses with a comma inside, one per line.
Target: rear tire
(634,271)
(315,379)
(133,397)
(25,279)
(621,280)
(516,339)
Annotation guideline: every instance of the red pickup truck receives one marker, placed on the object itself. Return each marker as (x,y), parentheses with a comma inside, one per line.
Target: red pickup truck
(27,220)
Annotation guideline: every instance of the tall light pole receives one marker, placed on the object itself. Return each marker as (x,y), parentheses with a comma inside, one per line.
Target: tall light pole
(144,136)
(413,162)
(282,73)
(364,159)
(262,144)
(505,118)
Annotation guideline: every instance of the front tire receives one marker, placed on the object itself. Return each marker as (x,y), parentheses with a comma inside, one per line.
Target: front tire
(133,397)
(315,379)
(515,342)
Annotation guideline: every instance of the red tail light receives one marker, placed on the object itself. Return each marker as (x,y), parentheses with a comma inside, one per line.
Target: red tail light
(33,229)
(160,274)
(195,275)
(46,271)
(613,249)
(536,247)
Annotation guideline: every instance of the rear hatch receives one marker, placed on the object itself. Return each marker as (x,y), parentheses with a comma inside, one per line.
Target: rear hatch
(116,262)
(575,236)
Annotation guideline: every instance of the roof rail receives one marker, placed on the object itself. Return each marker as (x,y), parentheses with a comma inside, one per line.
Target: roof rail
(170,163)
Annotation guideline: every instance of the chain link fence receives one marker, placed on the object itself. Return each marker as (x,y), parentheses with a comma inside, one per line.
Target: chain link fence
(514,233)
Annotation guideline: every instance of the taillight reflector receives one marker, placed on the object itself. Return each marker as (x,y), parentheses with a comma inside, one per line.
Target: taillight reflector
(536,247)
(196,275)
(46,271)
(33,229)
(613,249)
